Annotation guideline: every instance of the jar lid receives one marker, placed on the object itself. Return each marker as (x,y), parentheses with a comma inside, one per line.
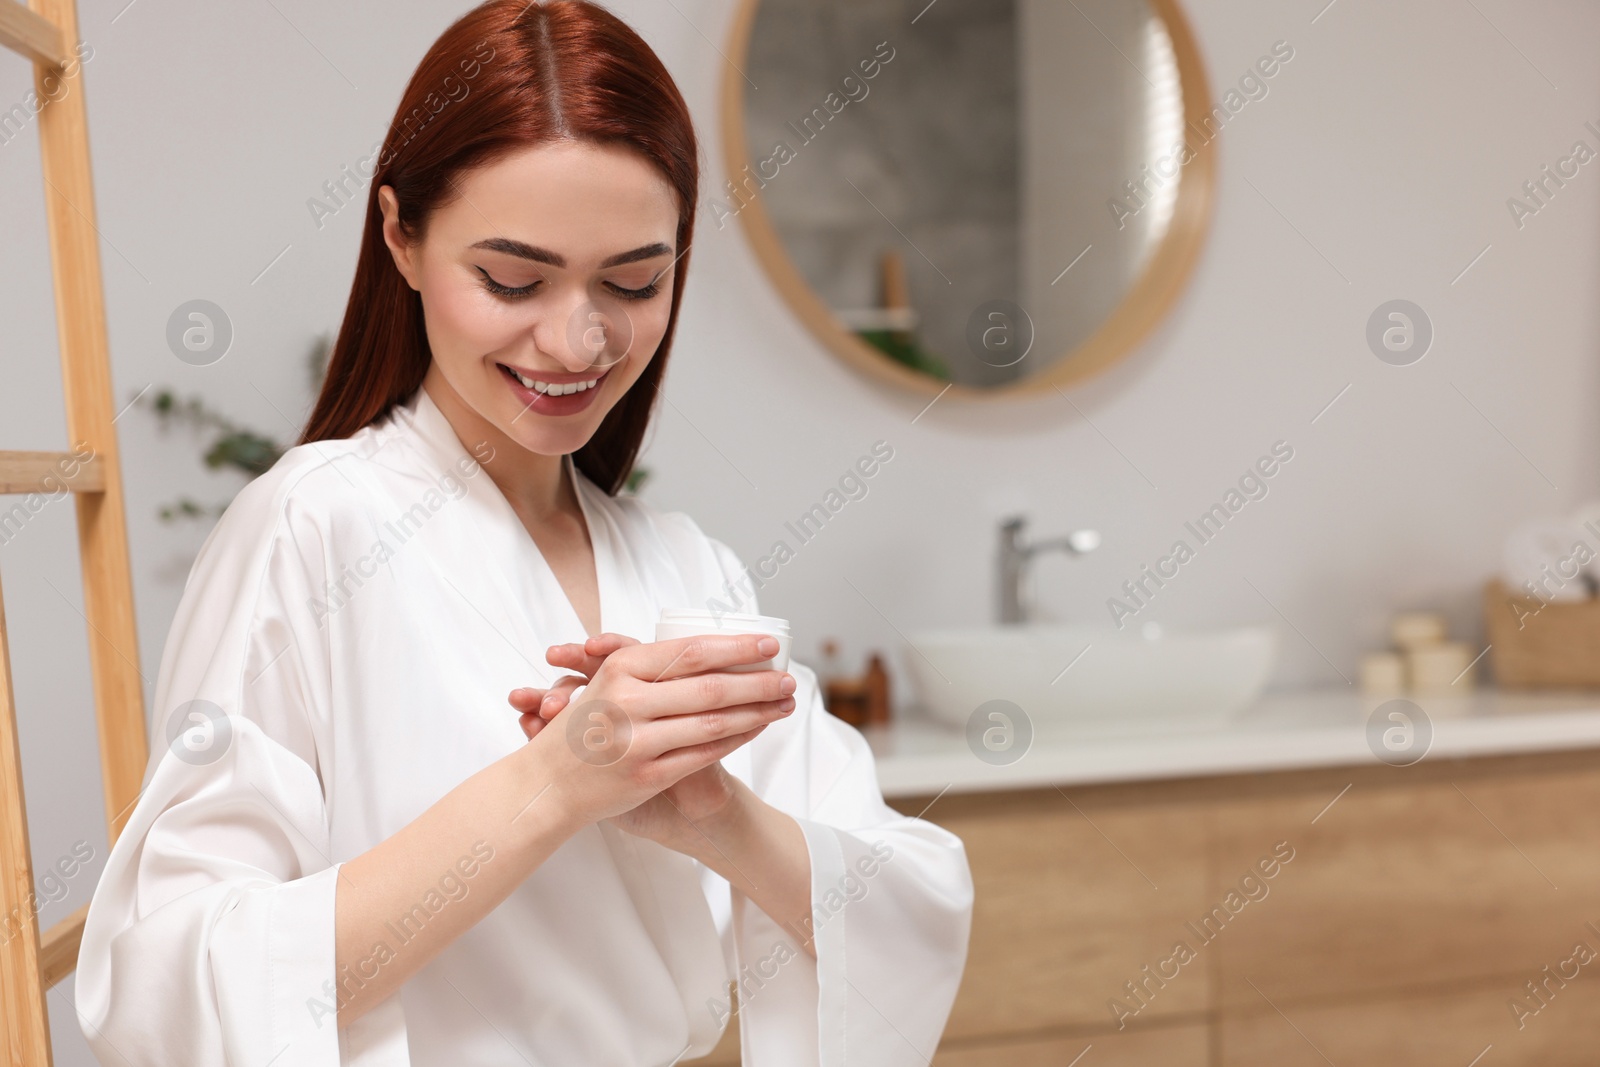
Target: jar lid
(725,620)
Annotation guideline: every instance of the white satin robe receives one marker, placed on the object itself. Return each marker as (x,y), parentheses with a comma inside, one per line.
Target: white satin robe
(210,937)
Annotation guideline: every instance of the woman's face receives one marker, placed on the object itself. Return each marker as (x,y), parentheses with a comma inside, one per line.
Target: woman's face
(546,286)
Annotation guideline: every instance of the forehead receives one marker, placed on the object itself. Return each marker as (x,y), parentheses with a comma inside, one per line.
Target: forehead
(584,201)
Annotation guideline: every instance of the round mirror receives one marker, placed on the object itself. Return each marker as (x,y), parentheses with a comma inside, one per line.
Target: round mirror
(980,196)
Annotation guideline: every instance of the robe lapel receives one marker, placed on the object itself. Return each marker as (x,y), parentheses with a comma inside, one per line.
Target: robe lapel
(498,584)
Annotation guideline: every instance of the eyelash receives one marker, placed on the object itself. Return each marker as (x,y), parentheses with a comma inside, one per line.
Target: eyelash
(517,293)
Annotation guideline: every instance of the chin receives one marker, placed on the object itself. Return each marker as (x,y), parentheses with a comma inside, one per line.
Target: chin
(545,440)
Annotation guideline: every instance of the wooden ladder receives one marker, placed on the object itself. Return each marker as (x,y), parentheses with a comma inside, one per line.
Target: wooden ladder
(46,32)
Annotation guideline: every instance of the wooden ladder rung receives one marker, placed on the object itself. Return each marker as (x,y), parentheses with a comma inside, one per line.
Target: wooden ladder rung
(58,947)
(30,34)
(50,472)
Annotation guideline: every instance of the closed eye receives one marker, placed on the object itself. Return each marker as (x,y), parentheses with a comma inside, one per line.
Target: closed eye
(636,294)
(517,292)
(645,293)
(500,289)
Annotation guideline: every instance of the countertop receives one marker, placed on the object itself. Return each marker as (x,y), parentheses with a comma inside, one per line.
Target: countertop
(1282,731)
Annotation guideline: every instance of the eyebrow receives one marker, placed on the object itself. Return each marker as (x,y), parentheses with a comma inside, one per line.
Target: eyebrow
(524,250)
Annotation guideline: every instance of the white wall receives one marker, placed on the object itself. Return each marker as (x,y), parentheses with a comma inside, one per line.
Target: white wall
(1387,149)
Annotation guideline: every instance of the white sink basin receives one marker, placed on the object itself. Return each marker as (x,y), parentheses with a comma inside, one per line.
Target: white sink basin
(1115,682)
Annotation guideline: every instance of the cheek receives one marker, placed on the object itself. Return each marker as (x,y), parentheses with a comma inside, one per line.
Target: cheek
(649,326)
(463,324)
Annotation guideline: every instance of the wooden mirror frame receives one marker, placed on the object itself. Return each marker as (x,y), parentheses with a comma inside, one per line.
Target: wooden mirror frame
(1165,271)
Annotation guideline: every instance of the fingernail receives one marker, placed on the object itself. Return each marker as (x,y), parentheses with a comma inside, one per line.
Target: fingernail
(786,705)
(788,684)
(767,646)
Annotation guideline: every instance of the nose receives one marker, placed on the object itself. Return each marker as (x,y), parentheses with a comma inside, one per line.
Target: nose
(564,333)
(600,335)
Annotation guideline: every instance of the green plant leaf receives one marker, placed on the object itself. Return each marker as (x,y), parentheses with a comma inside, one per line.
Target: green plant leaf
(245,451)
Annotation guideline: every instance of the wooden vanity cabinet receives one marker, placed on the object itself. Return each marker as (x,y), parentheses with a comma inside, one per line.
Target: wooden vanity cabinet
(1415,908)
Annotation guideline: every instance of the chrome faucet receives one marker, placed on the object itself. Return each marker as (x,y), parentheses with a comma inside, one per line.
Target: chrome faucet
(1015,556)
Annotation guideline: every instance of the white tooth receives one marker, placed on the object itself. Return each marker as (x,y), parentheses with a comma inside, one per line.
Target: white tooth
(557,390)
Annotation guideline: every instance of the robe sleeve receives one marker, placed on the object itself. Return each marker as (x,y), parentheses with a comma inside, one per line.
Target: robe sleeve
(210,936)
(891,903)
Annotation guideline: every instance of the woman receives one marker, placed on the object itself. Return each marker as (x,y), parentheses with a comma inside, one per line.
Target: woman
(349,850)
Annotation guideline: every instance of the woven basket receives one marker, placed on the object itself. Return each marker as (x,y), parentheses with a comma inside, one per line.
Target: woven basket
(1555,645)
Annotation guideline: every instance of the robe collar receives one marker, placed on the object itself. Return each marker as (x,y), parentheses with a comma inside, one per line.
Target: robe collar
(623,606)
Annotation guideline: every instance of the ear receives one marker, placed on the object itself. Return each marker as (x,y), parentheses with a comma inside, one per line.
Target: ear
(399,247)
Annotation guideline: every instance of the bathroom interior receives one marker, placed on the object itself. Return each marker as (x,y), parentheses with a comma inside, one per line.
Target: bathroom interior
(1171,429)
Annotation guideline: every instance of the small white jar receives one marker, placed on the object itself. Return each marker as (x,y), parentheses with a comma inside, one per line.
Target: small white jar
(692,622)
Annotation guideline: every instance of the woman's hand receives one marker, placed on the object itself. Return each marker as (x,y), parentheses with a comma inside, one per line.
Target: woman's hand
(539,706)
(729,708)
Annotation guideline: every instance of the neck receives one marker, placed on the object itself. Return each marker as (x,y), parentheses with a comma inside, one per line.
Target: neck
(535,484)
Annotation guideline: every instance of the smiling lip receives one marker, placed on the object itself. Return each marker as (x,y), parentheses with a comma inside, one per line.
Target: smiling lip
(542,403)
(557,378)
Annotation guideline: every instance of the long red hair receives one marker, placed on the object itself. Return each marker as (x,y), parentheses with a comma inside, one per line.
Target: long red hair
(532,73)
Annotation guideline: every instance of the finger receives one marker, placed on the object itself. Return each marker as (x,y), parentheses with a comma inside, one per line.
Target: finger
(708,692)
(586,658)
(688,731)
(607,643)
(683,656)
(678,764)
(531,724)
(526,698)
(572,657)
(560,695)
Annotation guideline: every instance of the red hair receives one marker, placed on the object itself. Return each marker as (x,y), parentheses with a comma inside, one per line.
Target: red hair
(533,73)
